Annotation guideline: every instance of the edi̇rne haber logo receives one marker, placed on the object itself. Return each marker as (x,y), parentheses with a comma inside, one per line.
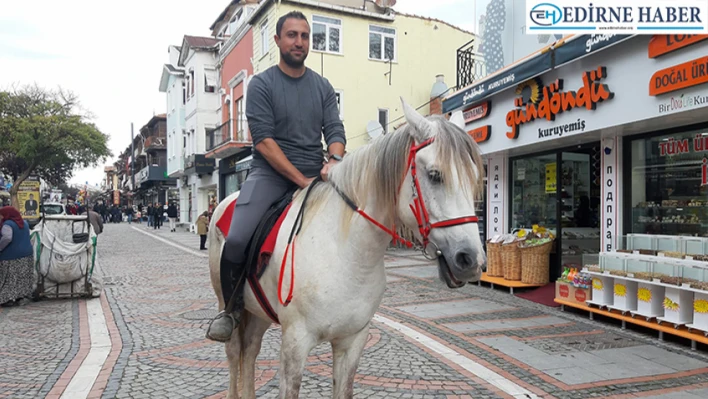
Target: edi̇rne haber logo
(617,16)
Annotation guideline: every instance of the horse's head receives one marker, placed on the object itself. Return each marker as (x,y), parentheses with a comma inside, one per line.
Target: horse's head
(438,190)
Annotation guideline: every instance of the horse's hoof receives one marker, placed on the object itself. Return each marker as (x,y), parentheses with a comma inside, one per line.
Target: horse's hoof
(221,327)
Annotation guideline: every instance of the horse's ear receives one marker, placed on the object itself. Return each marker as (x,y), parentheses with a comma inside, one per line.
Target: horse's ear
(423,129)
(457,119)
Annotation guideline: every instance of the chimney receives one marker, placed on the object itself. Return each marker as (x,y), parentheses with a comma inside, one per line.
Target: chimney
(436,95)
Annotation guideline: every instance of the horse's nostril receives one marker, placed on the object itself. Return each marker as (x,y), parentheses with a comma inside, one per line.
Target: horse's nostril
(463,260)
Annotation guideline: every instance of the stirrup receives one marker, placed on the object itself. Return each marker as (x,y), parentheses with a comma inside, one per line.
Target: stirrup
(220,315)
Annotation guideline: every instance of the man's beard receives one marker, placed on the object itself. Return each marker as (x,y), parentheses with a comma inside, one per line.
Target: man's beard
(292,62)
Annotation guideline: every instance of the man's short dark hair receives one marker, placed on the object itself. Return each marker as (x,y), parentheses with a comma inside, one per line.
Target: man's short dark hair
(291,14)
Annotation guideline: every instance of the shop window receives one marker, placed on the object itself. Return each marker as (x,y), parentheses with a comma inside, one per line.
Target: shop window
(668,186)
(533,192)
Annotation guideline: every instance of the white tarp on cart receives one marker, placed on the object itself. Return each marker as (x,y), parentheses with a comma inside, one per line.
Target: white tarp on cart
(65,257)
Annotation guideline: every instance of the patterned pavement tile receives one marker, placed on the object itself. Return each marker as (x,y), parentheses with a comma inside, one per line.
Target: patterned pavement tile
(158,301)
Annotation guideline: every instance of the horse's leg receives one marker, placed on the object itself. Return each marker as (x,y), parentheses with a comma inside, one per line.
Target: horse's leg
(297,343)
(233,355)
(254,329)
(346,354)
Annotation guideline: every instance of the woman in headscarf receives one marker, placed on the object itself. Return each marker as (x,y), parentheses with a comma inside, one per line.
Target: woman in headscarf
(16,260)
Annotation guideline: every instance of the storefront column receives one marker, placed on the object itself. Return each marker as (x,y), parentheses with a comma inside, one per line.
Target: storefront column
(497,201)
(612,204)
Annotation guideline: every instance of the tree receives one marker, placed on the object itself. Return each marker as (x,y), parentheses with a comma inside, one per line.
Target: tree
(43,132)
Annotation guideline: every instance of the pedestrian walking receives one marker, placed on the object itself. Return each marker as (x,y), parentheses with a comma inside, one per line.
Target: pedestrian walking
(149,215)
(16,259)
(202,229)
(157,216)
(172,215)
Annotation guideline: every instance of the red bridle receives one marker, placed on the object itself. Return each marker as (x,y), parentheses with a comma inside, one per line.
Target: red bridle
(418,208)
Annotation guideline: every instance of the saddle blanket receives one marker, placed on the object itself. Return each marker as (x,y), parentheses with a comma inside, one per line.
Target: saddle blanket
(266,250)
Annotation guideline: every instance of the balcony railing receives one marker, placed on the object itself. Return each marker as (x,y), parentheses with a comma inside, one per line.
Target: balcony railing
(155,143)
(221,134)
(470,67)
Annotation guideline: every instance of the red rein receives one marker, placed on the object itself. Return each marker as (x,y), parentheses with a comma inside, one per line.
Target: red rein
(419,211)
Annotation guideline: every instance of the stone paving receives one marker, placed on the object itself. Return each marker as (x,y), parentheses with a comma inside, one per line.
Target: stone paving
(158,300)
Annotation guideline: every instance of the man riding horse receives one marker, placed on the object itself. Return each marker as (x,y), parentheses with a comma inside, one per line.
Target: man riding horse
(289,107)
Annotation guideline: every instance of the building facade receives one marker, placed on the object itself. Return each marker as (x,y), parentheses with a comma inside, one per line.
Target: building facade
(199,182)
(371,55)
(599,138)
(230,142)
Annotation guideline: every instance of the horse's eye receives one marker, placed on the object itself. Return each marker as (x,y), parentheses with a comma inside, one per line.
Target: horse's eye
(435,176)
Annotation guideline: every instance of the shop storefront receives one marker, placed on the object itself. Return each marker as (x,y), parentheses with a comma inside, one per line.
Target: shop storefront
(558,130)
(603,141)
(233,171)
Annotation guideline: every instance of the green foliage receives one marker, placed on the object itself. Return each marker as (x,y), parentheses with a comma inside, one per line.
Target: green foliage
(44,133)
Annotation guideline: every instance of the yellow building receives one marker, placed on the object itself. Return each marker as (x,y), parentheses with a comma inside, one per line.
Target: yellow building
(350,46)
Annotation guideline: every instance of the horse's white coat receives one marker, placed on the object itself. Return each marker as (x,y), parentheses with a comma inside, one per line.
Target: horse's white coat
(339,275)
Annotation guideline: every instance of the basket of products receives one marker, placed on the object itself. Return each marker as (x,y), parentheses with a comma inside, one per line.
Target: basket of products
(511,258)
(700,285)
(535,253)
(494,261)
(593,268)
(673,254)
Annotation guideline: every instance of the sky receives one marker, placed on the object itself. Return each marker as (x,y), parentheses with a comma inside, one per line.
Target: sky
(111,53)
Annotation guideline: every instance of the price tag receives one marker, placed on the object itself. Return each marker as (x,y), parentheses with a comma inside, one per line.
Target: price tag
(689,257)
(660,254)
(635,252)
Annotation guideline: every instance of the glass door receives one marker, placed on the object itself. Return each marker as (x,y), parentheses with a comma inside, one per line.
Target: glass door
(533,192)
(579,183)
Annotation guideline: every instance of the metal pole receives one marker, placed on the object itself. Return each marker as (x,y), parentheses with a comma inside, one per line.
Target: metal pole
(132,158)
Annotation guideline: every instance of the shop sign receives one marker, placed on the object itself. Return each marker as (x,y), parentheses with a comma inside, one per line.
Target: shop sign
(116,197)
(688,74)
(676,147)
(476,112)
(663,44)
(554,101)
(609,193)
(481,134)
(682,103)
(495,182)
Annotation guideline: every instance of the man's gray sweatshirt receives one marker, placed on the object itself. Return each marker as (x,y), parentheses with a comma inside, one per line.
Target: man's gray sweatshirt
(294,112)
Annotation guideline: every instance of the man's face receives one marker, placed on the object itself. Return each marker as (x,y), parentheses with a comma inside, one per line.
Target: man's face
(294,42)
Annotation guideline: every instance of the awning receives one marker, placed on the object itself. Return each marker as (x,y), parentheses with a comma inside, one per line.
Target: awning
(497,82)
(554,56)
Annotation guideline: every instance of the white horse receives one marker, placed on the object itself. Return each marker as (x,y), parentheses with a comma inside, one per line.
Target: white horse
(339,257)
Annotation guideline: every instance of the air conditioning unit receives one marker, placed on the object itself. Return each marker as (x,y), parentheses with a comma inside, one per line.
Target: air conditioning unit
(222,91)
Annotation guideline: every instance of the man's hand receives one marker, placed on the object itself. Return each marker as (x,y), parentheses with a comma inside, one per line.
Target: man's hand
(326,168)
(306,182)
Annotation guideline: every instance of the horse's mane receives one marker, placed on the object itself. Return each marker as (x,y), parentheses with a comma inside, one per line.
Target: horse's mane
(374,171)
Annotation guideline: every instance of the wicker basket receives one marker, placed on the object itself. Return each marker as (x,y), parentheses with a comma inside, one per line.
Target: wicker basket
(511,259)
(535,264)
(494,261)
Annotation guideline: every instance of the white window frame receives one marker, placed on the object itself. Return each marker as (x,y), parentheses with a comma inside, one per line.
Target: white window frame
(264,38)
(340,96)
(240,106)
(210,73)
(327,25)
(378,118)
(383,40)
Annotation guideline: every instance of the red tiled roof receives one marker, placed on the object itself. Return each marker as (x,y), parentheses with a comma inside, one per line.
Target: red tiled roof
(200,42)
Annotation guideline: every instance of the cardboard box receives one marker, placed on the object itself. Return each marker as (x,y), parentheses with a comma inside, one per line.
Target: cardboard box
(566,292)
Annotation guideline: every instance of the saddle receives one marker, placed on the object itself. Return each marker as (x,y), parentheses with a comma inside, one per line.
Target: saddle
(262,243)
(260,247)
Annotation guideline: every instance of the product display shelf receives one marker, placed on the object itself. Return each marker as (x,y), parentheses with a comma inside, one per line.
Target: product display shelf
(501,281)
(680,331)
(602,289)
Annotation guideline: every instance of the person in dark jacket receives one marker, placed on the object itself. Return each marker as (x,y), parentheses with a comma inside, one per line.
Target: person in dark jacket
(157,216)
(16,260)
(172,215)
